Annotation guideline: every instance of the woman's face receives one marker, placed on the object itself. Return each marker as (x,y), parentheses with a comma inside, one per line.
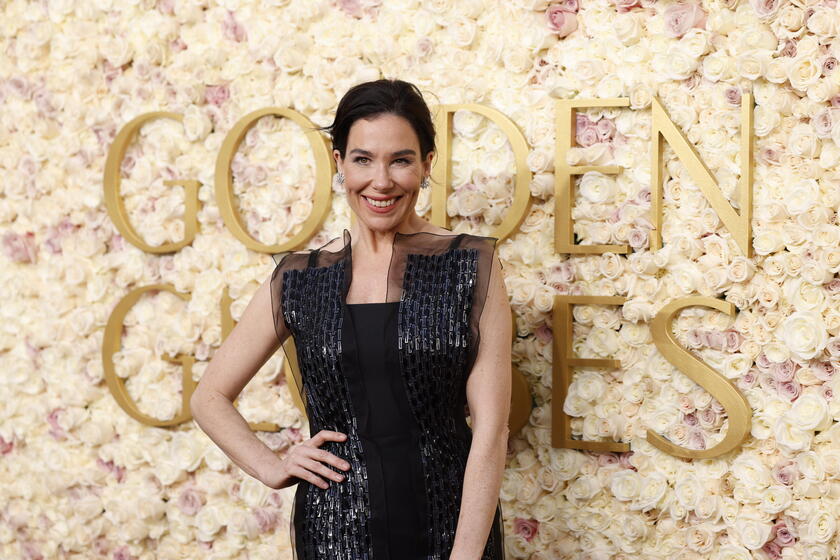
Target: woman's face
(382,170)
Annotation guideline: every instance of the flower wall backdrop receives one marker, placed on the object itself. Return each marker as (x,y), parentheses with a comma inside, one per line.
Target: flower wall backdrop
(83,479)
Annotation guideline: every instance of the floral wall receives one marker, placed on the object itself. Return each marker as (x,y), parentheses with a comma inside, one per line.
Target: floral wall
(81,479)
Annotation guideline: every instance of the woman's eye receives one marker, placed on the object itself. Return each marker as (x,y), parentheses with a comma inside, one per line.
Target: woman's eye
(359,159)
(403,160)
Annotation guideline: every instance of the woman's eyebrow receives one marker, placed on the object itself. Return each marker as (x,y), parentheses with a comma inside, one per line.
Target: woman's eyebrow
(398,153)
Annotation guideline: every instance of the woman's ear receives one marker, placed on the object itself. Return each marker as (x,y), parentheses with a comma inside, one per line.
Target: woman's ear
(339,162)
(427,163)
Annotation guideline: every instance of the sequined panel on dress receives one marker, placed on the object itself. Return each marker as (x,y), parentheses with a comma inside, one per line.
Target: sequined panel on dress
(434,341)
(335,520)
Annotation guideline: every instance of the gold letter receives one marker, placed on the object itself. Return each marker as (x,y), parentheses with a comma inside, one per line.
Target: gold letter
(561,429)
(564,194)
(739,223)
(114,202)
(224,180)
(442,169)
(111,344)
(737,408)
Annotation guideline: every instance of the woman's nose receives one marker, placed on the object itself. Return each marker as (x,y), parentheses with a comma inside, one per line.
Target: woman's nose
(382,177)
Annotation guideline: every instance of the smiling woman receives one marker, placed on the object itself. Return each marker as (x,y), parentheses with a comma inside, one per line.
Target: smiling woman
(397,327)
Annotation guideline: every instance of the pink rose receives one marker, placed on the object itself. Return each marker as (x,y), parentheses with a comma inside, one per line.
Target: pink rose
(624,460)
(190,501)
(762,362)
(784,371)
(232,29)
(833,346)
(586,136)
(786,472)
(679,18)
(6,447)
(696,439)
(20,248)
(823,371)
(789,49)
(782,535)
(765,8)
(773,551)
(605,129)
(561,21)
(732,95)
(748,380)
(570,6)
(525,528)
(216,95)
(607,459)
(266,519)
(829,64)
(623,6)
(638,238)
(823,124)
(790,390)
(166,7)
(544,333)
(733,340)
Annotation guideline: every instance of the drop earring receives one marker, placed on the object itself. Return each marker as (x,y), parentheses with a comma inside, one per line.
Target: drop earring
(340,178)
(424,183)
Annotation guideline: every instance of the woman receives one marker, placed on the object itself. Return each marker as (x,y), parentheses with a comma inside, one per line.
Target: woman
(386,323)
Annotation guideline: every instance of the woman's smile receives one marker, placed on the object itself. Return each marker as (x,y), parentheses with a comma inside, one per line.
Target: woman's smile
(381,205)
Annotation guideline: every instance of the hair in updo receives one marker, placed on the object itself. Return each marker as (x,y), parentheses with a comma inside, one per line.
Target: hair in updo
(370,99)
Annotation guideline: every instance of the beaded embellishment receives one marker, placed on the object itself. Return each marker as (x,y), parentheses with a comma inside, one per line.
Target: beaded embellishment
(434,340)
(335,519)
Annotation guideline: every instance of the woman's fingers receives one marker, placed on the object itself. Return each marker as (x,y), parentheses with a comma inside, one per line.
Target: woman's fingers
(307,475)
(326,435)
(327,457)
(323,470)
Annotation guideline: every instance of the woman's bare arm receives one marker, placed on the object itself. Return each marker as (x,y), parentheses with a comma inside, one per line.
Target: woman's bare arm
(249,345)
(488,395)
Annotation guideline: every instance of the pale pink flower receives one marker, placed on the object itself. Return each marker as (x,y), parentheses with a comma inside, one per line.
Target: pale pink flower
(232,29)
(216,95)
(266,519)
(622,6)
(20,248)
(681,17)
(765,8)
(525,528)
(785,472)
(190,501)
(561,21)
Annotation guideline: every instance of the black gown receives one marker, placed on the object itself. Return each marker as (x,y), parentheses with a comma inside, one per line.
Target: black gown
(400,499)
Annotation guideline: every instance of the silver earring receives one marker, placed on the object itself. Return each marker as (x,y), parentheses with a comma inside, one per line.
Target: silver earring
(340,178)
(424,183)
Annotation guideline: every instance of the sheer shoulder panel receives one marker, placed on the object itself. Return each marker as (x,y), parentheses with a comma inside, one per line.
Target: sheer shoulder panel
(478,252)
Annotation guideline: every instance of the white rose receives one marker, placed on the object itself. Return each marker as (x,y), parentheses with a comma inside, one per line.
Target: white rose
(822,22)
(803,71)
(733,552)
(821,527)
(626,485)
(752,533)
(804,333)
(196,124)
(802,141)
(791,436)
(651,492)
(775,499)
(809,412)
(597,187)
(583,488)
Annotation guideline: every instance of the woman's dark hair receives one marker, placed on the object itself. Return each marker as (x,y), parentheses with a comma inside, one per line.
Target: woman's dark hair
(370,99)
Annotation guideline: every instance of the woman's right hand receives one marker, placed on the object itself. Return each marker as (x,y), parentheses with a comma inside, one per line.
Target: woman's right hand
(305,461)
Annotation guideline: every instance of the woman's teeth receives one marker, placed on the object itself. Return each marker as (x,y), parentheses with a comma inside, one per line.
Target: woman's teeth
(381,203)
